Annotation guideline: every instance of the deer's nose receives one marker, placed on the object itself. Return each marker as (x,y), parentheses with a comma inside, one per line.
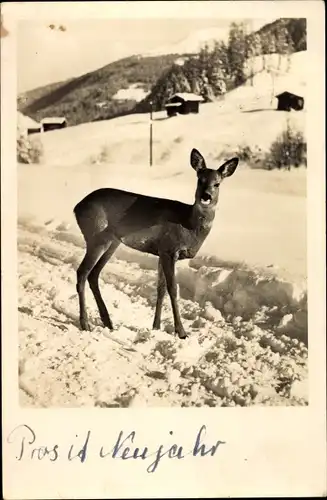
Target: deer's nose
(207,196)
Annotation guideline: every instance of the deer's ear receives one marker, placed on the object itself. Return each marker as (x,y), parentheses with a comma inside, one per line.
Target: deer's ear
(197,160)
(228,168)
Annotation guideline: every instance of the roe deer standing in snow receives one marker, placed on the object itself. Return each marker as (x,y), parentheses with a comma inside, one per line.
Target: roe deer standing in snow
(169,229)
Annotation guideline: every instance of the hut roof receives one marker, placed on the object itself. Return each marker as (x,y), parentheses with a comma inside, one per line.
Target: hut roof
(286,92)
(54,119)
(187,96)
(173,104)
(26,122)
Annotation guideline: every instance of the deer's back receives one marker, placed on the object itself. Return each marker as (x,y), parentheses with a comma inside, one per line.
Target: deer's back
(140,222)
(124,209)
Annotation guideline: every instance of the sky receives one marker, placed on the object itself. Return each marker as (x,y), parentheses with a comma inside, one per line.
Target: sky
(46,55)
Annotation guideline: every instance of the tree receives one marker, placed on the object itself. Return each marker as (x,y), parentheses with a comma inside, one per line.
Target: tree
(218,73)
(250,54)
(257,44)
(264,48)
(290,50)
(271,47)
(217,81)
(237,53)
(221,54)
(207,93)
(204,58)
(191,72)
(281,43)
(195,86)
(297,29)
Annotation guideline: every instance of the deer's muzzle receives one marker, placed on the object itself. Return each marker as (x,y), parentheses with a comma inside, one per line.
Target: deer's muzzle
(206,199)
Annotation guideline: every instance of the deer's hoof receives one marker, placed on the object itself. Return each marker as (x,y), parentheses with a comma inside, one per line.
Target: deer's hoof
(183,335)
(107,323)
(85,325)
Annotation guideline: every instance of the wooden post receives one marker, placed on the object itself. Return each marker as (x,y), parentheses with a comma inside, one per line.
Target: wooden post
(151,133)
(150,144)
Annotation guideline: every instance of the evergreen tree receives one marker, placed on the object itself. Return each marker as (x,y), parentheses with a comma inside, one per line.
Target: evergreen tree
(191,72)
(195,86)
(218,81)
(281,43)
(290,50)
(221,52)
(264,48)
(250,54)
(237,53)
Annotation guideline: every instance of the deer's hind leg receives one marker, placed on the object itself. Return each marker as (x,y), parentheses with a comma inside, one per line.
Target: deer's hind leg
(93,279)
(96,246)
(92,256)
(161,291)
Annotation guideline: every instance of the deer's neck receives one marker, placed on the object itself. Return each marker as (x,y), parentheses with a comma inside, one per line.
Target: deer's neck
(201,218)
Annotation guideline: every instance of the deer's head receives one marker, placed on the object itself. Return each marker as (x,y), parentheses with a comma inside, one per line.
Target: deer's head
(209,180)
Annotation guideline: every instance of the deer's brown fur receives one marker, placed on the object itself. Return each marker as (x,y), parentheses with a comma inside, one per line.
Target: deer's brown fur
(168,229)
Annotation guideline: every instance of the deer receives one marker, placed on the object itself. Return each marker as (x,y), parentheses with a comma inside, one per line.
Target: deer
(168,229)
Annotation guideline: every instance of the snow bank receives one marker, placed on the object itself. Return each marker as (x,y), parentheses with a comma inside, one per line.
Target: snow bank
(234,290)
(249,295)
(221,363)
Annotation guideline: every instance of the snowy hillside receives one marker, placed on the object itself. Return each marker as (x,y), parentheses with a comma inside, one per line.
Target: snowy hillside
(256,124)
(243,298)
(134,92)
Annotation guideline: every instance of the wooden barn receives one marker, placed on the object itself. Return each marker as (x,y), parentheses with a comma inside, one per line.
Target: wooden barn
(288,100)
(183,103)
(53,123)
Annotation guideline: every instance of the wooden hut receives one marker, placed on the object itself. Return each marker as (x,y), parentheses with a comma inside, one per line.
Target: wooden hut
(288,100)
(27,125)
(53,123)
(183,103)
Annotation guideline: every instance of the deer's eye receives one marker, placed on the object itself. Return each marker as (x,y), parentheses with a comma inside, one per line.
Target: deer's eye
(216,185)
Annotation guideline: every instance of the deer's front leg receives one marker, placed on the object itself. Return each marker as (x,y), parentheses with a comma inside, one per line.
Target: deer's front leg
(161,291)
(168,264)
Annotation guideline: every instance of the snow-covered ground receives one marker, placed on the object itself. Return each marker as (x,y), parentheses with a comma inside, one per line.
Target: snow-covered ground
(249,319)
(243,348)
(243,298)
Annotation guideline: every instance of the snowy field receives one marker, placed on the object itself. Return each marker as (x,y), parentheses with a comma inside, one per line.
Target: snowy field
(242,299)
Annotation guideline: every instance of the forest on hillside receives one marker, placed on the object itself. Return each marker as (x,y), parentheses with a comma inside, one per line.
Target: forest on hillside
(225,66)
(78,98)
(210,73)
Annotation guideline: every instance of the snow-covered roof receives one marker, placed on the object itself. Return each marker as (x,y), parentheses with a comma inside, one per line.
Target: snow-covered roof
(26,122)
(296,94)
(173,104)
(54,119)
(187,96)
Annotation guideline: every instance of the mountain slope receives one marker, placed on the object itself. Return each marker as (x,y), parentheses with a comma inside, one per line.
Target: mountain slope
(90,97)
(245,116)
(78,99)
